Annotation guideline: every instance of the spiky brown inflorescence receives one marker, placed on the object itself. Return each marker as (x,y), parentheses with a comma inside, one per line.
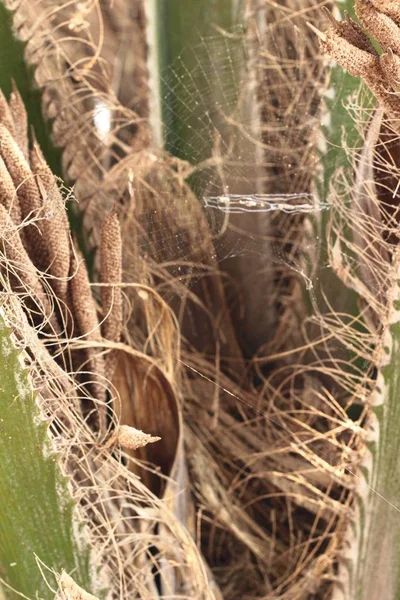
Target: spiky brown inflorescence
(54,228)
(42,265)
(348,44)
(83,68)
(6,117)
(45,236)
(111,279)
(24,276)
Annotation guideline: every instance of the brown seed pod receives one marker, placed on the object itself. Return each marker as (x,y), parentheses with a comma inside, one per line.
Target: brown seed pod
(54,226)
(379,25)
(390,65)
(381,73)
(351,31)
(23,276)
(28,195)
(356,61)
(389,7)
(111,273)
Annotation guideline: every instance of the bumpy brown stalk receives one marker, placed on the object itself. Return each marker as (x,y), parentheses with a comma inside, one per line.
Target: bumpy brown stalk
(348,44)
(55,226)
(28,196)
(23,275)
(389,7)
(111,277)
(84,312)
(29,191)
(47,241)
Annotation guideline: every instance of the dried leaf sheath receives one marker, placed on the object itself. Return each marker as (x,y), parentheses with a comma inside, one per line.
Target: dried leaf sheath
(87,323)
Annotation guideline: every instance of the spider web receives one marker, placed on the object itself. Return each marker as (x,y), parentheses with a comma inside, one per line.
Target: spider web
(211,121)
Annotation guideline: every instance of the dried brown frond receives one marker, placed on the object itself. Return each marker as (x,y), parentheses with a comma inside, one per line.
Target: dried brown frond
(41,265)
(363,241)
(290,79)
(140,543)
(122,516)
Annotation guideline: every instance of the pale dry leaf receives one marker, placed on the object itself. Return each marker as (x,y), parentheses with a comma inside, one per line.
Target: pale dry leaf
(70,590)
(131,438)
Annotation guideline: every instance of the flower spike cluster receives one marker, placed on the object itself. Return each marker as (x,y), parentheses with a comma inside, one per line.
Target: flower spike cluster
(349,44)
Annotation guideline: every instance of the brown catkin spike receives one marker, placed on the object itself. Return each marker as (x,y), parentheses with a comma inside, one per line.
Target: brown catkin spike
(111,273)
(28,195)
(355,34)
(390,65)
(351,31)
(8,194)
(111,295)
(20,118)
(357,62)
(23,275)
(55,227)
(6,117)
(83,309)
(379,25)
(389,7)
(380,73)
